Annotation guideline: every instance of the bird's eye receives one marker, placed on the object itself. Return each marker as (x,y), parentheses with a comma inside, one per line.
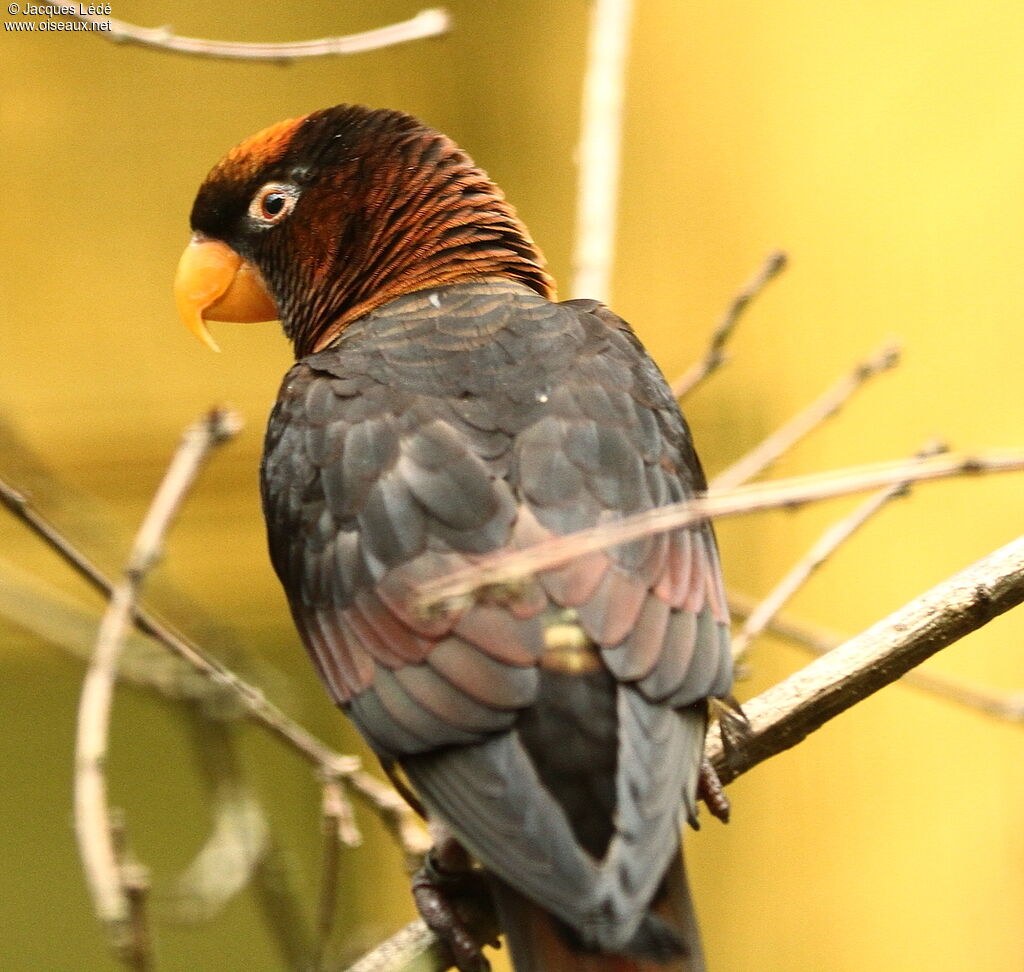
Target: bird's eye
(273,203)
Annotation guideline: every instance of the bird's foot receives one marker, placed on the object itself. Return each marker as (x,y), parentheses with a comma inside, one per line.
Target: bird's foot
(711,791)
(444,889)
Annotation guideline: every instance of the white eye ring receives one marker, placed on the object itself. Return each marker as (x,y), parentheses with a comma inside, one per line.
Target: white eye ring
(273,203)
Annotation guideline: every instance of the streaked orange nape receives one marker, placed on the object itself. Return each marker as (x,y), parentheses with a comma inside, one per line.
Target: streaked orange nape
(264,147)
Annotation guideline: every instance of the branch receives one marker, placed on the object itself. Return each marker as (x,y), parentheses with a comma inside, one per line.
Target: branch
(239,838)
(788,712)
(1006,706)
(396,816)
(252,699)
(825,407)
(600,148)
(240,852)
(715,357)
(136,884)
(427,23)
(506,570)
(826,545)
(102,863)
(219,868)
(51,615)
(413,949)
(339,830)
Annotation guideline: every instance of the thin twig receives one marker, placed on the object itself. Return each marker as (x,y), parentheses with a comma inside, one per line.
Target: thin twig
(788,712)
(53,616)
(238,823)
(825,407)
(1006,706)
(427,23)
(279,891)
(506,570)
(237,843)
(826,545)
(339,830)
(92,814)
(600,148)
(135,881)
(715,356)
(396,815)
(255,703)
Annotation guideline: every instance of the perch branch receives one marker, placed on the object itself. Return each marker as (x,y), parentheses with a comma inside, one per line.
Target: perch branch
(103,865)
(600,148)
(827,406)
(827,544)
(790,711)
(413,949)
(495,571)
(715,356)
(427,23)
(1006,706)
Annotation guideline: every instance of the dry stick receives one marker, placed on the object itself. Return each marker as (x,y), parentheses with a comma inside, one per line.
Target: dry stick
(600,148)
(52,616)
(339,830)
(427,23)
(1007,706)
(787,712)
(827,406)
(715,357)
(256,705)
(826,545)
(136,884)
(240,851)
(238,841)
(145,664)
(396,815)
(506,570)
(391,809)
(96,843)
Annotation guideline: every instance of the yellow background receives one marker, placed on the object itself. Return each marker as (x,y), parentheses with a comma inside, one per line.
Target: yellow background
(881,144)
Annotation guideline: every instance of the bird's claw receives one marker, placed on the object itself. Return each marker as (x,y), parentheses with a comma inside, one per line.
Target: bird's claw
(711,791)
(438,894)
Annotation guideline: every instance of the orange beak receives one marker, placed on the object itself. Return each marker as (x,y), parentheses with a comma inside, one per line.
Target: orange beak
(213,283)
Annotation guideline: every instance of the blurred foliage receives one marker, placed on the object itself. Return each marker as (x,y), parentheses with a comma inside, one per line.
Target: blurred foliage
(881,144)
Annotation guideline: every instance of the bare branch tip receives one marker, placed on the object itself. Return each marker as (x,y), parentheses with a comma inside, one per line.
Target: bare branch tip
(427,23)
(223,424)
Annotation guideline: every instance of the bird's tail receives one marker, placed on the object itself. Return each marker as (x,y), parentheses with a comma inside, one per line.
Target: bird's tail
(537,943)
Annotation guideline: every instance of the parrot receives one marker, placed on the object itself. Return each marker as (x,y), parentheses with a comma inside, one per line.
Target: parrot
(445,408)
